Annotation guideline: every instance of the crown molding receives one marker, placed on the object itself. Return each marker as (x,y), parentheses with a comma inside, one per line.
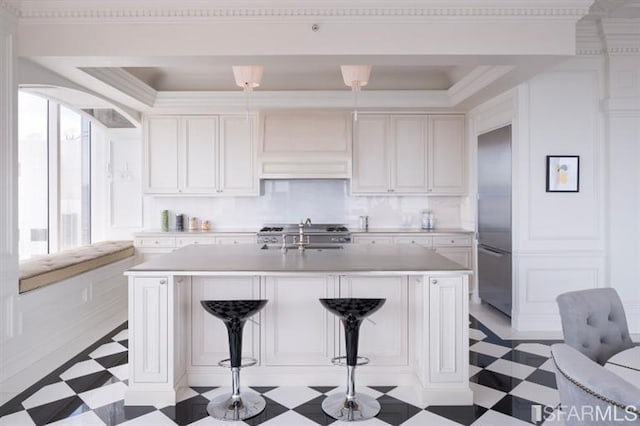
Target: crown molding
(9,12)
(589,38)
(479,78)
(621,36)
(119,10)
(406,99)
(125,82)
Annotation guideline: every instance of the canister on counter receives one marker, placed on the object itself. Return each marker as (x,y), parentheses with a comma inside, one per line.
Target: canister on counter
(164,220)
(179,222)
(205,225)
(193,224)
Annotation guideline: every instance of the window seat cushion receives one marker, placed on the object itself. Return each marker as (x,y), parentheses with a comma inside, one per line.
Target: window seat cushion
(44,270)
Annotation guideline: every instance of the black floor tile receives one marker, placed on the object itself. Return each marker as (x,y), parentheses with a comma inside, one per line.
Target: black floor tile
(394,411)
(124,343)
(463,414)
(495,380)
(91,381)
(57,410)
(203,389)
(113,360)
(323,389)
(520,408)
(187,411)
(116,413)
(525,358)
(313,410)
(263,389)
(383,389)
(544,378)
(480,360)
(273,409)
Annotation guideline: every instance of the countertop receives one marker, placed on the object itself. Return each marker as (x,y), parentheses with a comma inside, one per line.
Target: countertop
(249,259)
(372,231)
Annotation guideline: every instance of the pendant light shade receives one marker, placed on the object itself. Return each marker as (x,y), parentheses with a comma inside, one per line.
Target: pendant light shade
(248,76)
(355,76)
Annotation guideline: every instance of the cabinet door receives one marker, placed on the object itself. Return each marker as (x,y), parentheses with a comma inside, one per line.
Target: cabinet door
(236,239)
(407,239)
(448,317)
(209,339)
(447,154)
(200,164)
(461,255)
(298,330)
(408,153)
(149,348)
(370,156)
(366,239)
(384,343)
(237,156)
(162,149)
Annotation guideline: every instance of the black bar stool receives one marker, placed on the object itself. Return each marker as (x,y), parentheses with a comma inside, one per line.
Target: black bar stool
(234,314)
(351,407)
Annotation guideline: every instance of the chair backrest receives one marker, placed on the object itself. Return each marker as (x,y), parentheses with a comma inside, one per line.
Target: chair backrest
(590,394)
(594,323)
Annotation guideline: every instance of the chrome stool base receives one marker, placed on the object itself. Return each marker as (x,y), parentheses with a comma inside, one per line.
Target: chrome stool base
(362,407)
(226,407)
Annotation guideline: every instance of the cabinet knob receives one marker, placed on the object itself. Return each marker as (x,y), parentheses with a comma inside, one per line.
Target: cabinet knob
(434,282)
(413,242)
(452,241)
(163,281)
(373,242)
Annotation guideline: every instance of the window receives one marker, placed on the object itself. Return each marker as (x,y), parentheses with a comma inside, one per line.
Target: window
(54,190)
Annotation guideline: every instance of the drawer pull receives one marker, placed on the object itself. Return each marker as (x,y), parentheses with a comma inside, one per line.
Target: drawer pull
(163,282)
(434,282)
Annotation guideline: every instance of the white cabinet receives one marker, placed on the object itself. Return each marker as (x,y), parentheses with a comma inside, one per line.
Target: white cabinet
(371,239)
(298,330)
(209,338)
(200,155)
(447,154)
(389,154)
(149,356)
(237,239)
(313,144)
(414,239)
(461,255)
(391,321)
(448,313)
(408,154)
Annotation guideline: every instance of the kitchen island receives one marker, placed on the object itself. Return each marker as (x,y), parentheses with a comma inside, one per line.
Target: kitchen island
(420,336)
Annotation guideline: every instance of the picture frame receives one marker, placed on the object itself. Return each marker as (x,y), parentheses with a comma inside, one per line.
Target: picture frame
(563,173)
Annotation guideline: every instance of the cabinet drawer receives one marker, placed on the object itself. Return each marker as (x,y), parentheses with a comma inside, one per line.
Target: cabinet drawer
(407,239)
(155,242)
(372,240)
(238,239)
(186,241)
(453,241)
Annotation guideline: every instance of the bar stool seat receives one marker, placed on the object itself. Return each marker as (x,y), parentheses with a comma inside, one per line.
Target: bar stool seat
(351,407)
(234,314)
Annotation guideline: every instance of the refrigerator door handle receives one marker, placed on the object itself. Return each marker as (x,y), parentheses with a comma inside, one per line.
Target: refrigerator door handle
(491,251)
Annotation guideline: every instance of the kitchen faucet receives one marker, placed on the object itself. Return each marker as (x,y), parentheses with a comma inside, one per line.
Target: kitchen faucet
(307,222)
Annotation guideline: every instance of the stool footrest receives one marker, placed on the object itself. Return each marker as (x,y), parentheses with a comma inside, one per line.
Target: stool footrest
(341,361)
(245,362)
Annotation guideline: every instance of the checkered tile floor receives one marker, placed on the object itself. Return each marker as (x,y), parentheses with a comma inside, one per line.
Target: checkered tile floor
(507,377)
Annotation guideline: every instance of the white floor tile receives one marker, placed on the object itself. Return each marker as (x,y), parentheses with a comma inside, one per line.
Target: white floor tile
(424,418)
(292,396)
(104,395)
(123,335)
(408,394)
(81,369)
(537,393)
(473,370)
(21,418)
(154,418)
(476,334)
(108,349)
(219,391)
(290,418)
(535,348)
(47,394)
(489,349)
(88,418)
(495,418)
(511,368)
(120,371)
(548,366)
(485,396)
(185,393)
(370,422)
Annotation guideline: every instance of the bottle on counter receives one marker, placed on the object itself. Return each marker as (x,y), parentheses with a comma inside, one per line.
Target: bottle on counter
(205,225)
(164,220)
(179,222)
(193,224)
(428,220)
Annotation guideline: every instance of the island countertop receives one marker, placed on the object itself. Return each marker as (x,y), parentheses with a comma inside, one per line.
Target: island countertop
(249,259)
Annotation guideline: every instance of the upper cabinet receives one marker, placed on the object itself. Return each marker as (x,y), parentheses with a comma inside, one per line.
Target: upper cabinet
(310,144)
(408,154)
(211,155)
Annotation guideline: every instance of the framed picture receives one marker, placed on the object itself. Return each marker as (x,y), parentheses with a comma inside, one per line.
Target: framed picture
(563,173)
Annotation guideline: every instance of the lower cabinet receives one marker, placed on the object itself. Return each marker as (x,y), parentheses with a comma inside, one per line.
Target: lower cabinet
(209,341)
(385,343)
(298,330)
(150,297)
(461,255)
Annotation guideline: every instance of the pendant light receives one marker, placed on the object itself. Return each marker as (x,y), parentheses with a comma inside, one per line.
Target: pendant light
(248,77)
(356,77)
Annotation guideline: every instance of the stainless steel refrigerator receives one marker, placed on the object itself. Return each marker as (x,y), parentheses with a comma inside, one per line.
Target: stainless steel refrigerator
(494,218)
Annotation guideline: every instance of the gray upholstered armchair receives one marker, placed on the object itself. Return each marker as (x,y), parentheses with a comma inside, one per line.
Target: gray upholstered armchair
(591,394)
(594,323)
